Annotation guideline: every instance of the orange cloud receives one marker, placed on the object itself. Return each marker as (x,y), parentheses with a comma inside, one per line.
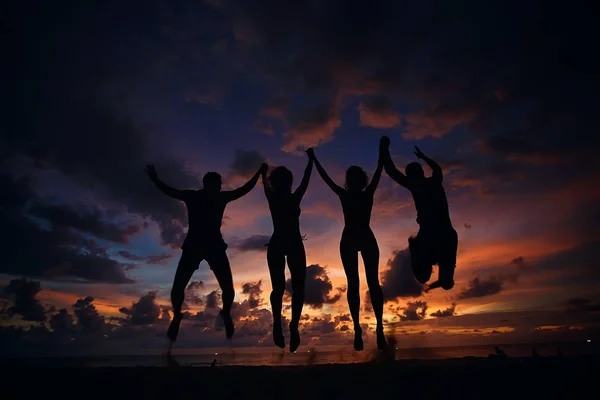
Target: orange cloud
(310,128)
(377,112)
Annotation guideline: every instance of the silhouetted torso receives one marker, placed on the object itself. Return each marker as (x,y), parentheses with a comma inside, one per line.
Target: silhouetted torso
(357,207)
(430,201)
(285,213)
(205,216)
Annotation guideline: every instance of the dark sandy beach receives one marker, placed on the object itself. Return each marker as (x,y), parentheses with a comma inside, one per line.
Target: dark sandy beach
(569,377)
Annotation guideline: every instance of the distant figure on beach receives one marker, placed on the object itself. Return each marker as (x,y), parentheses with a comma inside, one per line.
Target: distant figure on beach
(437,240)
(499,354)
(357,236)
(286,241)
(204,240)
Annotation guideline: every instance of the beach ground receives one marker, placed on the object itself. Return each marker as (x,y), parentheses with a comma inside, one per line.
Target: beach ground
(467,378)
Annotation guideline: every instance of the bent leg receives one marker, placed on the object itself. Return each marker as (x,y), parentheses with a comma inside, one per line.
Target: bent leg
(276,262)
(349,255)
(297,264)
(188,263)
(219,264)
(448,246)
(421,267)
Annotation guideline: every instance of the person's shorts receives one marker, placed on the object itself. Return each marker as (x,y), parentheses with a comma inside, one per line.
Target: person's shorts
(432,245)
(194,252)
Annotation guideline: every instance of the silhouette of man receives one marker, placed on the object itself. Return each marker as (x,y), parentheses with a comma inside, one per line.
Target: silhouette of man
(204,240)
(437,240)
(286,242)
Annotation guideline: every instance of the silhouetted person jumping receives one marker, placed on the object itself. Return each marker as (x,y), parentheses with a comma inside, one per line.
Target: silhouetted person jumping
(286,241)
(437,240)
(357,236)
(204,240)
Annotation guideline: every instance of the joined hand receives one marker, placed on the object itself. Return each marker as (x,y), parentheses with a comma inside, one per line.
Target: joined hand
(310,153)
(384,141)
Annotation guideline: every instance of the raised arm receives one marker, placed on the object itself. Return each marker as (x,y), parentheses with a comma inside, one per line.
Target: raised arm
(437,170)
(235,194)
(388,164)
(265,182)
(166,189)
(376,177)
(301,190)
(337,189)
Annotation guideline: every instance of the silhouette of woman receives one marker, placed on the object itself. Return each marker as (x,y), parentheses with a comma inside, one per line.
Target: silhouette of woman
(204,240)
(286,241)
(357,236)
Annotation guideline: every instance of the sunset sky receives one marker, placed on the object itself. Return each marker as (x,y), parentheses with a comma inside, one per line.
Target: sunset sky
(502,94)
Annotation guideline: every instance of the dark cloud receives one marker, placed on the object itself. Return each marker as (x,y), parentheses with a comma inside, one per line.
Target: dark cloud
(251,322)
(580,304)
(252,243)
(158,259)
(83,135)
(23,294)
(246,163)
(213,299)
(164,314)
(253,290)
(87,315)
(501,71)
(311,127)
(479,287)
(345,318)
(414,311)
(318,288)
(581,259)
(34,251)
(448,312)
(62,321)
(398,280)
(320,325)
(192,295)
(144,311)
(86,221)
(276,108)
(378,112)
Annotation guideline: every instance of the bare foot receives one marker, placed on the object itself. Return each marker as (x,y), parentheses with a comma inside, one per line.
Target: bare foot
(294,338)
(358,341)
(381,342)
(278,337)
(229,329)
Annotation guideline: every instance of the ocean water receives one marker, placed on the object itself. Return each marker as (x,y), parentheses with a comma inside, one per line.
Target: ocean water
(265,356)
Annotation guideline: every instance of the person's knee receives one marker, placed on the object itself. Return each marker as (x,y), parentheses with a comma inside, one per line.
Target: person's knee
(373,284)
(297,288)
(447,275)
(177,294)
(277,291)
(447,284)
(422,278)
(227,294)
(422,273)
(353,293)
